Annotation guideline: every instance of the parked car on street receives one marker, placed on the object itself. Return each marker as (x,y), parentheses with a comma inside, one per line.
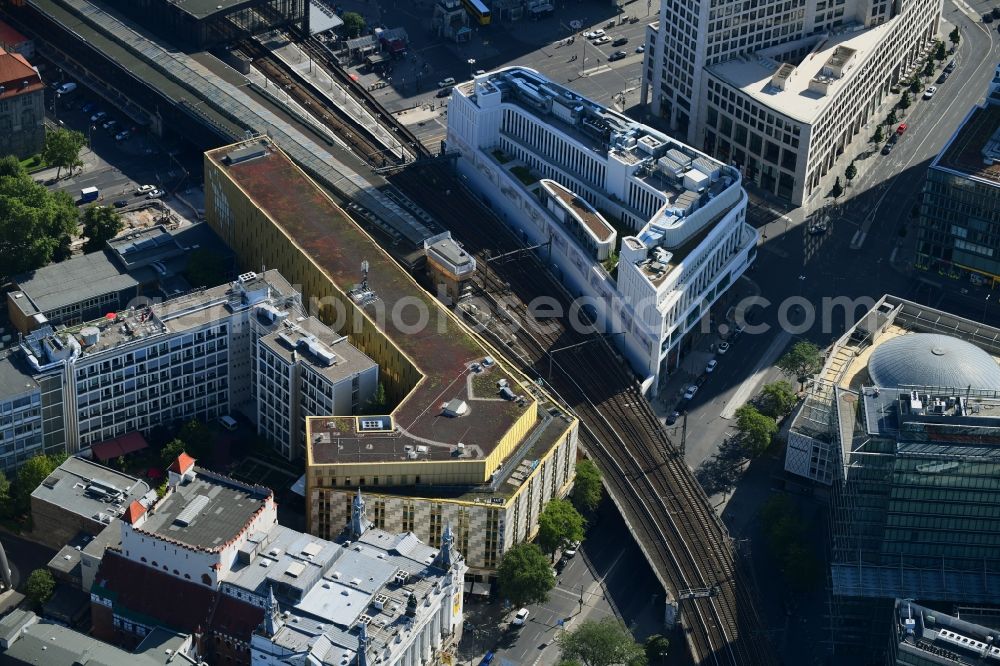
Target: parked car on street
(444,83)
(641,48)
(723,347)
(155,194)
(444,92)
(602,40)
(930,92)
(672,417)
(99,116)
(617,55)
(142,189)
(520,618)
(710,367)
(620,41)
(121,203)
(690,392)
(901,129)
(88,107)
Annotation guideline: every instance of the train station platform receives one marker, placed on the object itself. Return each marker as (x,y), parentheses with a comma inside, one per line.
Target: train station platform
(228,108)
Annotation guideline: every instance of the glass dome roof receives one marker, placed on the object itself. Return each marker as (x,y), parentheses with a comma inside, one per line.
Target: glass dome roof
(931,359)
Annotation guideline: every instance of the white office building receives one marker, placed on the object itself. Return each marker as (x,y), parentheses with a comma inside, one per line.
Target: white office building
(247,346)
(565,171)
(781,89)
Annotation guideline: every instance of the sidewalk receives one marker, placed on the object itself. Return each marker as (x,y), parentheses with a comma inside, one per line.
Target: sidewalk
(702,350)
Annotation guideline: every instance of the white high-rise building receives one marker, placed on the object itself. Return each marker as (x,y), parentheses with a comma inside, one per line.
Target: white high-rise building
(778,88)
(247,346)
(568,173)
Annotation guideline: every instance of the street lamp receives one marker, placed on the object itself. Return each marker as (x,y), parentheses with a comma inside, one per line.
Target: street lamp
(472,65)
(985,305)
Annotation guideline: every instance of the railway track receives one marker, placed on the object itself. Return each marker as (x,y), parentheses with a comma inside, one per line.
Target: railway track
(663,504)
(351,132)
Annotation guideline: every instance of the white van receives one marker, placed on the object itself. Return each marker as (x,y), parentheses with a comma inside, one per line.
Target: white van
(66,88)
(228,422)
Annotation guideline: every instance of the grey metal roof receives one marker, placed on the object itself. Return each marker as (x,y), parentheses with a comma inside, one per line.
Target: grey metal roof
(72,488)
(932,359)
(71,281)
(15,378)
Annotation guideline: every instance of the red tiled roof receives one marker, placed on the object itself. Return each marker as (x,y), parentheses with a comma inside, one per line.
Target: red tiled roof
(120,446)
(134,511)
(183,463)
(175,603)
(14,70)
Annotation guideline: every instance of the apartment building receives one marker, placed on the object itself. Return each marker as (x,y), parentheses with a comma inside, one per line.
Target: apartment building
(958,231)
(778,89)
(463,438)
(570,174)
(246,346)
(210,557)
(22,106)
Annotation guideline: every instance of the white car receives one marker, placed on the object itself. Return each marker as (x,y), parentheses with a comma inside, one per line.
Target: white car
(594,34)
(641,48)
(520,618)
(930,92)
(689,393)
(723,347)
(711,365)
(602,40)
(155,194)
(142,189)
(569,553)
(444,83)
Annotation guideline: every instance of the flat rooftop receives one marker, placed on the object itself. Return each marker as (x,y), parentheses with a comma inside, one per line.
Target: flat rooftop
(753,74)
(68,282)
(209,523)
(15,375)
(201,9)
(300,340)
(964,153)
(90,490)
(929,636)
(443,351)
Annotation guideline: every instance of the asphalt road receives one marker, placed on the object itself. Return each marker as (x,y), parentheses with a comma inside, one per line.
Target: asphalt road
(24,557)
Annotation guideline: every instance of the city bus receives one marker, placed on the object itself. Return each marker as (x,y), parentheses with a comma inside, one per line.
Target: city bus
(478,11)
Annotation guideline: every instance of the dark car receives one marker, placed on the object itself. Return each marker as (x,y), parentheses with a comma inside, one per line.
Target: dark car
(672,418)
(617,55)
(620,41)
(950,67)
(941,79)
(887,148)
(987,18)
(88,107)
(996,12)
(121,203)
(444,92)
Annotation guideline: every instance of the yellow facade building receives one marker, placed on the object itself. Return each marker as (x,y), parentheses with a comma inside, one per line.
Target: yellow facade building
(461,438)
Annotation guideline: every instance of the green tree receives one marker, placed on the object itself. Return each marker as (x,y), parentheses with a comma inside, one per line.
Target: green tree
(940,53)
(376,404)
(558,524)
(850,172)
(62,148)
(955,37)
(802,360)
(34,470)
(915,85)
(525,575)
(5,496)
(197,438)
(837,189)
(39,586)
(777,399)
(587,488)
(170,451)
(904,101)
(206,268)
(892,118)
(604,643)
(354,23)
(100,224)
(656,647)
(929,66)
(756,429)
(34,222)
(879,135)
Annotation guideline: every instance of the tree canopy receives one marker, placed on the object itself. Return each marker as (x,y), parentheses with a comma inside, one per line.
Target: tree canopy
(850,172)
(33,471)
(605,643)
(525,575)
(904,100)
(802,360)
(170,451)
(587,488)
(100,224)
(62,148)
(939,51)
(879,135)
(837,189)
(777,399)
(34,222)
(39,586)
(955,36)
(354,23)
(656,647)
(756,429)
(558,524)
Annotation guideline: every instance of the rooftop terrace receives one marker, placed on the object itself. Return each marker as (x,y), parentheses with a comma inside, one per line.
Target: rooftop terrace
(443,351)
(593,220)
(974,150)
